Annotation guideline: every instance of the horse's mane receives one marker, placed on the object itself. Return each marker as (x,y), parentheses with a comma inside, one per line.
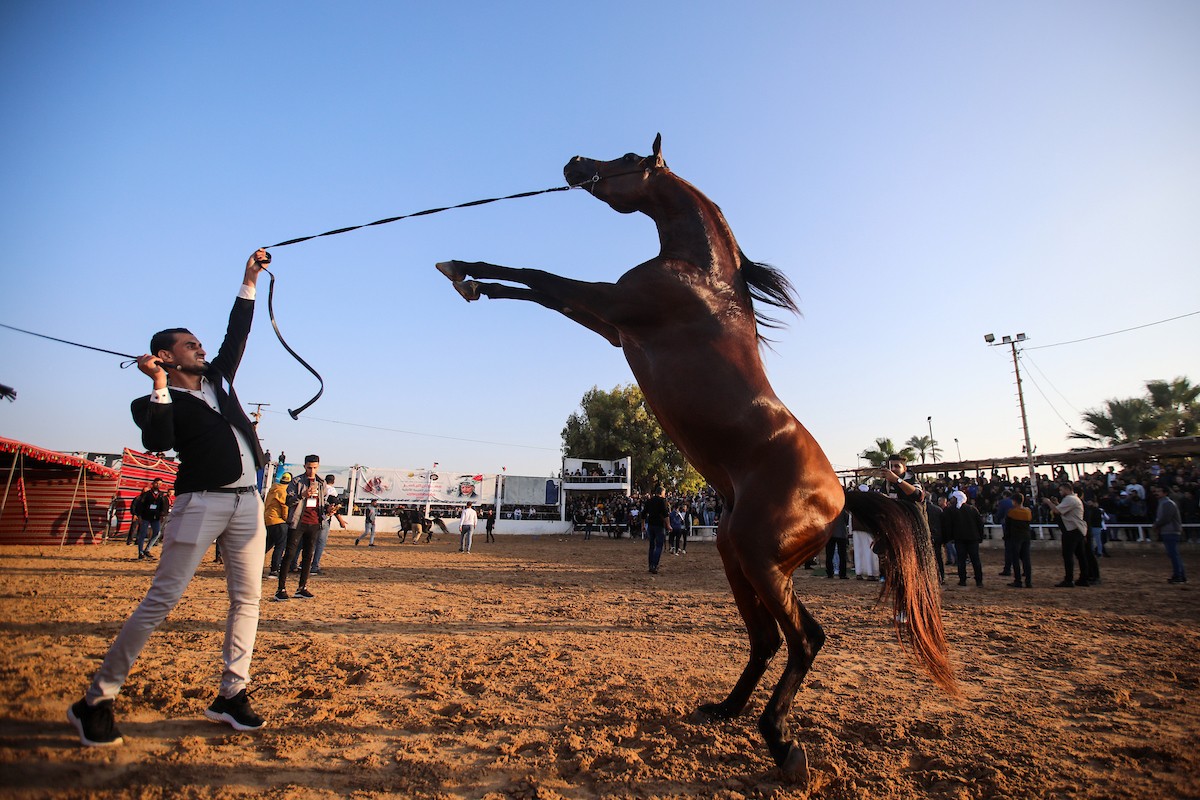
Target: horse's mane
(763,282)
(766,284)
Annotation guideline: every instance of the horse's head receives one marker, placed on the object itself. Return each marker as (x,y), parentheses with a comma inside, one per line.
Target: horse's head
(621,182)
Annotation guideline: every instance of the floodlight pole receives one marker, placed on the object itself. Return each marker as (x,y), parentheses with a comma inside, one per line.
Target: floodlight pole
(1012,344)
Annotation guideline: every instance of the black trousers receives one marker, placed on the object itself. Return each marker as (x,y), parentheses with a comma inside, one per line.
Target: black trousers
(1017,553)
(303,538)
(1088,564)
(1072,548)
(840,546)
(277,539)
(969,549)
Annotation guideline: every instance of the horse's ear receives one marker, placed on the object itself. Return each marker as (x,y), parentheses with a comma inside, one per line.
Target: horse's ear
(657,151)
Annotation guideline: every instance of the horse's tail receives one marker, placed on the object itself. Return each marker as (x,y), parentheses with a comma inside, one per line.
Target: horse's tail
(911,578)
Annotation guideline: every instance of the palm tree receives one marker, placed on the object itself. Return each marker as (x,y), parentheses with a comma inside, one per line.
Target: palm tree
(884,448)
(1178,404)
(1121,421)
(923,445)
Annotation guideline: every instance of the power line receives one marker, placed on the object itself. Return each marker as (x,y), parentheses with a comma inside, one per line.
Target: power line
(419,433)
(1047,399)
(1114,333)
(1042,372)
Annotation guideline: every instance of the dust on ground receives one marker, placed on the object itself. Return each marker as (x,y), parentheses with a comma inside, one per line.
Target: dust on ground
(552,667)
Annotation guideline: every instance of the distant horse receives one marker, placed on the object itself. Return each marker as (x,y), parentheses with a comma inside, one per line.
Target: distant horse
(690,311)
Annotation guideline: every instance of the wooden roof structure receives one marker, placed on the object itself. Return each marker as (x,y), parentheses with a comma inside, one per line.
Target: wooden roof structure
(1144,450)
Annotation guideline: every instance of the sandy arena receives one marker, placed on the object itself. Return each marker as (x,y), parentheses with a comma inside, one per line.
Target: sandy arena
(554,667)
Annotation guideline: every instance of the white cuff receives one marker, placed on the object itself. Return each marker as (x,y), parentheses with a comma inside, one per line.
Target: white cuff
(247,292)
(160,396)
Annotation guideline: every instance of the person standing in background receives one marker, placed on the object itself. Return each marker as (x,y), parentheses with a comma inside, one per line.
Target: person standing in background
(1169,526)
(466,523)
(369,514)
(275,518)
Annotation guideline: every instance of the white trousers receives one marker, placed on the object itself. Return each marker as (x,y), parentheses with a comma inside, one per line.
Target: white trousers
(865,560)
(197,520)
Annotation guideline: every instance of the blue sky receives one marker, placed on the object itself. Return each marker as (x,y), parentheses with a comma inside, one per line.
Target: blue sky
(924,172)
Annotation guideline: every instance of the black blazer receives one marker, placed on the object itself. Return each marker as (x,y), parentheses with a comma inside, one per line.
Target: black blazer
(208,451)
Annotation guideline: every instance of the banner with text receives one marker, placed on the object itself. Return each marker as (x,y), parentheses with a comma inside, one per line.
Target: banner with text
(424,486)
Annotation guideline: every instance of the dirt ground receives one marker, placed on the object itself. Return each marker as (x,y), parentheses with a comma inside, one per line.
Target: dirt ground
(555,667)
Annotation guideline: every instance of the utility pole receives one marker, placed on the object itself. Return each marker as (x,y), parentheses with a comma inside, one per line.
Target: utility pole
(257,415)
(1012,344)
(932,443)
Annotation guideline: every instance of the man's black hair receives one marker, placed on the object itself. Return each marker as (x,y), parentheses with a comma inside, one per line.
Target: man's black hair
(165,339)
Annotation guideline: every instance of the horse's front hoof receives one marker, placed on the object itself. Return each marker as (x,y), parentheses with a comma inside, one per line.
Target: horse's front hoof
(711,712)
(452,269)
(468,289)
(795,764)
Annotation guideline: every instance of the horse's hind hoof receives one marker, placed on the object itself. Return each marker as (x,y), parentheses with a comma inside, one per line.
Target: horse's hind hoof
(711,712)
(795,764)
(468,289)
(452,270)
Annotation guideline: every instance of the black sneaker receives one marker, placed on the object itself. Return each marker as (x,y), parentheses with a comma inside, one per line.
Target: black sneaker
(304,594)
(281,595)
(236,711)
(95,723)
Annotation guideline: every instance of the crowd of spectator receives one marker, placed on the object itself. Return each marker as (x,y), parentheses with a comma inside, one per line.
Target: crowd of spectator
(1124,494)
(615,514)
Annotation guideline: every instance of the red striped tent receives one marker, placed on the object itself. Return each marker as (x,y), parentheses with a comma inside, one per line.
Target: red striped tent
(51,497)
(137,470)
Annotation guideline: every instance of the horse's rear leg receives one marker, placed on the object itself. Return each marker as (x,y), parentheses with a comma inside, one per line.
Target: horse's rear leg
(804,637)
(761,628)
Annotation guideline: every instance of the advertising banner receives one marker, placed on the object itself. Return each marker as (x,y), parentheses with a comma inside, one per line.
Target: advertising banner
(424,486)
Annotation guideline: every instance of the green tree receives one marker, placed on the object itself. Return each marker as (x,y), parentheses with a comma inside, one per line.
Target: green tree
(618,423)
(1120,421)
(923,445)
(884,448)
(1177,403)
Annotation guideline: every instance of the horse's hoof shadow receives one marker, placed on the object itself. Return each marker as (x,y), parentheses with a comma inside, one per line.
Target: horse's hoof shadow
(795,764)
(468,289)
(452,270)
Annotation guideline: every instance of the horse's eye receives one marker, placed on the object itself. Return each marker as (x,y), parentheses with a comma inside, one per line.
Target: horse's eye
(632,157)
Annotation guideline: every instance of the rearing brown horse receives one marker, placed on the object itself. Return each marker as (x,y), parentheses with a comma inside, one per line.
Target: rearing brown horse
(690,309)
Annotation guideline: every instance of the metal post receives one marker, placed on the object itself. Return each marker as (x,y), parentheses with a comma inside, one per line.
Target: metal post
(1033,486)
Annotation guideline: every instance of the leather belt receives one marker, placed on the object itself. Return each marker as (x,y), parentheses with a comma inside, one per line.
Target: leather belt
(234,489)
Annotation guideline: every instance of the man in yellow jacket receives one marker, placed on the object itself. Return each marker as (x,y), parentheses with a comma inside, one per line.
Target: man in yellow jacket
(275,518)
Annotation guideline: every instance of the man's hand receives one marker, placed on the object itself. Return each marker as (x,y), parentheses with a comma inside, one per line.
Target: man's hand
(254,265)
(150,365)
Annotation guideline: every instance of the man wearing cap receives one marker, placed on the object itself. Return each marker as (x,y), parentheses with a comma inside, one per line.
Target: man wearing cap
(194,411)
(275,517)
(306,512)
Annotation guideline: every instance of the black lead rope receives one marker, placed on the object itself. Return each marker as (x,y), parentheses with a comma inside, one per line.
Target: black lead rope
(271,312)
(428,211)
(124,364)
(295,414)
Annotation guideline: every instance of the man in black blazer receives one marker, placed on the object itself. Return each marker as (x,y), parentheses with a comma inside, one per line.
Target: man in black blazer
(194,411)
